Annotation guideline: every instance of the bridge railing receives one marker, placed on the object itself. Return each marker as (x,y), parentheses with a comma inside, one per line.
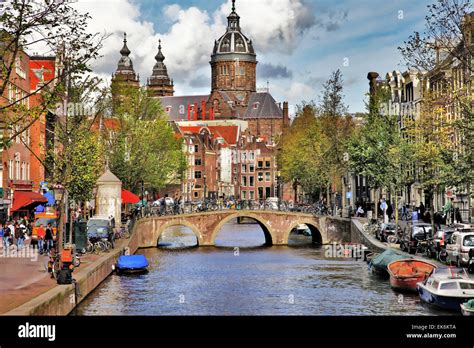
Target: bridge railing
(222,205)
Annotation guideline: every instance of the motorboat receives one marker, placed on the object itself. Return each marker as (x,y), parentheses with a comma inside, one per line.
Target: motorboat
(132,264)
(406,273)
(378,264)
(447,288)
(467,308)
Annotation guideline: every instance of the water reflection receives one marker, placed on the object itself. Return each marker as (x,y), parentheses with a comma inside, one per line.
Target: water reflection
(258,280)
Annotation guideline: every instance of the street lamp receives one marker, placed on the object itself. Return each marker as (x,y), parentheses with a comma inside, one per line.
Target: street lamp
(59,195)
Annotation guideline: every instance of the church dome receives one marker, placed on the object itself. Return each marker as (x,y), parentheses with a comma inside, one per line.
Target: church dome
(233,44)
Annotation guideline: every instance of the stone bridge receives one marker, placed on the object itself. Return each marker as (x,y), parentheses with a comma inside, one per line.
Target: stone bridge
(276,226)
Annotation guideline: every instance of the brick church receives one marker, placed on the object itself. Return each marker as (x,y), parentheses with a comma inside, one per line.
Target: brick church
(233,130)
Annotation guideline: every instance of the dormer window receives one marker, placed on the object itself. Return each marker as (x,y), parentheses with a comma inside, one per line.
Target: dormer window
(255,105)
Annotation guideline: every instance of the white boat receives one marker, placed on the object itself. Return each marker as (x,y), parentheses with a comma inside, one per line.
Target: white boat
(447,288)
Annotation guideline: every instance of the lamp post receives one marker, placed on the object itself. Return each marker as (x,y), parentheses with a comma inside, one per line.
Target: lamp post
(60,196)
(205,187)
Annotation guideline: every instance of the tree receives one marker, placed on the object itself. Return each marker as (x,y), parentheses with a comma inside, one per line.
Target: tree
(300,151)
(142,142)
(336,128)
(54,27)
(445,49)
(431,146)
(377,150)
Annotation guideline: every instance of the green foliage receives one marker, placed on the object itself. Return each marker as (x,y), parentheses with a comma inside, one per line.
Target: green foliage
(143,145)
(82,164)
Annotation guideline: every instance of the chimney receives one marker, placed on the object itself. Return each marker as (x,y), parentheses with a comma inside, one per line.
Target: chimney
(286,118)
(372,77)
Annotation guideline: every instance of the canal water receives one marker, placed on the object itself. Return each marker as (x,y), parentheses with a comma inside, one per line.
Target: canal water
(241,277)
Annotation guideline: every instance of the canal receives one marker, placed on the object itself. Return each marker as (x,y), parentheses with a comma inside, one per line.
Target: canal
(241,277)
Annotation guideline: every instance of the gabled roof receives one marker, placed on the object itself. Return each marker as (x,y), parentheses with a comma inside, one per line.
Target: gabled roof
(229,133)
(262,105)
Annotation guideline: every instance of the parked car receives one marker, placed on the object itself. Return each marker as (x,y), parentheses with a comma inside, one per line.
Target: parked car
(388,229)
(458,250)
(414,233)
(99,227)
(438,244)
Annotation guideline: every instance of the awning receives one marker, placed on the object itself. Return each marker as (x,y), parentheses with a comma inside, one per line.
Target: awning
(129,198)
(27,199)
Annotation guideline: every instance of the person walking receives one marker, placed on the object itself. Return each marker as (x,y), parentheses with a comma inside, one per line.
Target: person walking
(6,237)
(48,238)
(448,211)
(360,211)
(40,234)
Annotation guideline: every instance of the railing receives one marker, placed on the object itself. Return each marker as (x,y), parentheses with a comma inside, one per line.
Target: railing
(215,205)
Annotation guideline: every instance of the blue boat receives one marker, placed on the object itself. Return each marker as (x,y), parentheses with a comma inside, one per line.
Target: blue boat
(132,264)
(447,288)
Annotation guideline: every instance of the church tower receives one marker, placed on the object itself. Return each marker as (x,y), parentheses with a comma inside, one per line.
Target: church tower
(159,84)
(233,64)
(124,78)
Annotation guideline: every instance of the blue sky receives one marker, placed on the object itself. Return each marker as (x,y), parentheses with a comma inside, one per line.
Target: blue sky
(298,42)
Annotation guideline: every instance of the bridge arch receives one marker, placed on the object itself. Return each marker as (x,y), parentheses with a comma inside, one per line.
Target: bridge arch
(316,236)
(180,222)
(270,236)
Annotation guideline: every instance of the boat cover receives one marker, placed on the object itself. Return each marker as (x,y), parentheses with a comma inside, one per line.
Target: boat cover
(469,304)
(132,262)
(381,261)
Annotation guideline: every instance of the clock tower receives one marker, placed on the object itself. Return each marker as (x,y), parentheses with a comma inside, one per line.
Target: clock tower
(233,69)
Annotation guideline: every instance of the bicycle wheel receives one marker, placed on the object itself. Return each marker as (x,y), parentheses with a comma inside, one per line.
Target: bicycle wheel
(76,262)
(392,239)
(55,269)
(90,247)
(98,247)
(442,256)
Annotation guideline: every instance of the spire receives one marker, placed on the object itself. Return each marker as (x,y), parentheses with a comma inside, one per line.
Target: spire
(233,19)
(125,51)
(159,56)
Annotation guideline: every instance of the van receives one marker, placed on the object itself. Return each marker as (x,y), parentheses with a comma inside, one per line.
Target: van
(458,250)
(44,219)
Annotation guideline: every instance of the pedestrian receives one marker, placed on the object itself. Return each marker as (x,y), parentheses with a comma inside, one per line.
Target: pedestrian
(448,210)
(6,238)
(48,238)
(389,211)
(360,211)
(40,234)
(1,231)
(11,226)
(21,231)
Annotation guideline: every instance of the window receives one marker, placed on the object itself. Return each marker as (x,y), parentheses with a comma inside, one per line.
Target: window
(252,155)
(27,171)
(244,168)
(244,194)
(195,194)
(244,181)
(267,192)
(251,168)
(260,193)
(267,164)
(260,177)
(251,181)
(10,169)
(197,162)
(450,285)
(197,174)
(267,176)
(260,164)
(235,179)
(469,241)
(466,286)
(196,148)
(252,195)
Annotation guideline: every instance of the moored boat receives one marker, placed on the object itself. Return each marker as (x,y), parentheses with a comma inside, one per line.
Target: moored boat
(447,288)
(406,273)
(132,264)
(378,264)
(467,308)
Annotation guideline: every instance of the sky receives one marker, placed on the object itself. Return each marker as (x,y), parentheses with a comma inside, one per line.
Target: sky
(298,42)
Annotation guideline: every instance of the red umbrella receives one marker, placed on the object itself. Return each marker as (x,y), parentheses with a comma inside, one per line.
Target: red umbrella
(129,198)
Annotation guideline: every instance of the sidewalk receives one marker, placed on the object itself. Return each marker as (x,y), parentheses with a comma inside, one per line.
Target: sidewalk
(24,277)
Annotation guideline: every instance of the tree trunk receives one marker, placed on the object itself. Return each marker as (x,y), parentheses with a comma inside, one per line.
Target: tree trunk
(432,210)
